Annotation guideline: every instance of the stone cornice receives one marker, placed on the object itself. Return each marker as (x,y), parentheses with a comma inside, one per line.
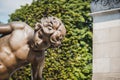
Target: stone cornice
(101,5)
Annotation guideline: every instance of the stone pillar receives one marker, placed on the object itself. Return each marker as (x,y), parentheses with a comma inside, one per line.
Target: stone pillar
(106,39)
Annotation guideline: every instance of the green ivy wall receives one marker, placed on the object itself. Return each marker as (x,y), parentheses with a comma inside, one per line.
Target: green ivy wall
(72,60)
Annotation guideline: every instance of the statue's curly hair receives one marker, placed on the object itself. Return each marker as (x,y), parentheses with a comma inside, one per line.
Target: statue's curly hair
(49,21)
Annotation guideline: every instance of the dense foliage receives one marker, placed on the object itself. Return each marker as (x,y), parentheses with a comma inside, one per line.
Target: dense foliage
(71,61)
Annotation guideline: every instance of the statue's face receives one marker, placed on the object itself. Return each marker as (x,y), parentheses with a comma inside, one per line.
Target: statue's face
(49,32)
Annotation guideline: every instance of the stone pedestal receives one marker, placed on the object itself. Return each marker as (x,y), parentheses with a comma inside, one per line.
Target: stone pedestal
(106,43)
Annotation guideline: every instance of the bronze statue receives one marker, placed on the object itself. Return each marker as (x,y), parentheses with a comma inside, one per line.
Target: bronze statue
(20,45)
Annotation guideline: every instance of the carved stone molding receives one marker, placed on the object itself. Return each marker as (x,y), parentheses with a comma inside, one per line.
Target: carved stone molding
(100,5)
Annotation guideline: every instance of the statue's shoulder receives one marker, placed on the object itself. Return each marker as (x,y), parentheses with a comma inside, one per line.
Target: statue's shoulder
(17,25)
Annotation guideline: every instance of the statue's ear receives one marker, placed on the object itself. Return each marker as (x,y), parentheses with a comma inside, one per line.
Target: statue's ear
(37,26)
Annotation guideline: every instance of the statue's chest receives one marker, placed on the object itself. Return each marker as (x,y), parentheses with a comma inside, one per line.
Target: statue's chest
(14,58)
(18,39)
(19,44)
(22,53)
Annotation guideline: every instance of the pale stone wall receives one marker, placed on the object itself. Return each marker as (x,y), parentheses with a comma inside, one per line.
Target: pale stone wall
(106,45)
(106,50)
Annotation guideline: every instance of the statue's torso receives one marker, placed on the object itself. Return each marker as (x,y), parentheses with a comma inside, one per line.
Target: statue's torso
(14,50)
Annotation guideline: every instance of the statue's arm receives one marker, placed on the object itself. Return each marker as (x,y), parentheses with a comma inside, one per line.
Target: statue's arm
(5,28)
(8,28)
(37,67)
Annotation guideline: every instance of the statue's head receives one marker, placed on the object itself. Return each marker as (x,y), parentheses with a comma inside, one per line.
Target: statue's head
(48,32)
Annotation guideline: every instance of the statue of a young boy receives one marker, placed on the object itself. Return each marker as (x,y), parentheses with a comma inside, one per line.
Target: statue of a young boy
(20,45)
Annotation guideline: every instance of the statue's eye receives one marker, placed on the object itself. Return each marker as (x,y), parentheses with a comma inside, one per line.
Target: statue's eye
(50,28)
(40,37)
(59,30)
